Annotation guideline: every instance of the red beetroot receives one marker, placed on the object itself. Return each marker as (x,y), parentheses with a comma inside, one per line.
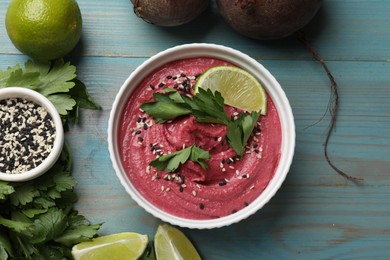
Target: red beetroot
(169,12)
(268,19)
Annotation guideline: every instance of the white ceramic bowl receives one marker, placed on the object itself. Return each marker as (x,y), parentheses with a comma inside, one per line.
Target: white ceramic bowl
(31,95)
(233,56)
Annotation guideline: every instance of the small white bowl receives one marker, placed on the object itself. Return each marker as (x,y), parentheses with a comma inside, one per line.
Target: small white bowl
(34,96)
(241,60)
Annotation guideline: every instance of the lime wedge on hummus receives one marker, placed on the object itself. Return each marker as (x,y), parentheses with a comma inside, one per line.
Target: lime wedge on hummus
(238,87)
(171,244)
(126,245)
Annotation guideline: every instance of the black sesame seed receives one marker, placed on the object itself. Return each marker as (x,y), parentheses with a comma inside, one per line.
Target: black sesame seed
(234,211)
(222,183)
(141,139)
(151,86)
(169,76)
(181,189)
(137,132)
(246,204)
(161,85)
(256,150)
(145,127)
(201,206)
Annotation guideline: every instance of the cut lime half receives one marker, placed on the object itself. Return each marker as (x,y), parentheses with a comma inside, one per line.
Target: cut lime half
(171,244)
(238,87)
(127,245)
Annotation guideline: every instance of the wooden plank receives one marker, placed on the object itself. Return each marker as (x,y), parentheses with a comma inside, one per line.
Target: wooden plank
(342,30)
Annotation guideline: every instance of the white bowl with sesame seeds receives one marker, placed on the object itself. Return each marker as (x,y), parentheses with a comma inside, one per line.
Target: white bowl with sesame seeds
(31,136)
(189,51)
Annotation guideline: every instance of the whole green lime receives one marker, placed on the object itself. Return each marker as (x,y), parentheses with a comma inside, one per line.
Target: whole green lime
(44,29)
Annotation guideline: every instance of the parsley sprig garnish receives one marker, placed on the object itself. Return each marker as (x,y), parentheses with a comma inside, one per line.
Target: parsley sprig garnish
(206,107)
(57,81)
(172,161)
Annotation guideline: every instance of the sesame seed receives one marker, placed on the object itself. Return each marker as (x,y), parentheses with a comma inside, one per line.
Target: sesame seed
(27,135)
(194,193)
(222,183)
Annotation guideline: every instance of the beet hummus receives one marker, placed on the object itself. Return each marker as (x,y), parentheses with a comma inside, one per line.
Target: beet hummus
(230,182)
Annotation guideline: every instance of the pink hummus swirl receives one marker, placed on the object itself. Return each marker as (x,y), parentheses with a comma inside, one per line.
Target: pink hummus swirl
(229,184)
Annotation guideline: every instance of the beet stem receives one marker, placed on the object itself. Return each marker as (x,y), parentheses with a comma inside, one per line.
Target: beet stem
(332,105)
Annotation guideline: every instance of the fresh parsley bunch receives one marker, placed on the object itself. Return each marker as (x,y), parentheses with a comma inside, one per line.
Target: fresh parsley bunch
(37,219)
(55,80)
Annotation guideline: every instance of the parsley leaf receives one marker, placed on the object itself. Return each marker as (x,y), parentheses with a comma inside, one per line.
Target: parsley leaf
(166,107)
(57,81)
(5,190)
(240,130)
(172,161)
(207,107)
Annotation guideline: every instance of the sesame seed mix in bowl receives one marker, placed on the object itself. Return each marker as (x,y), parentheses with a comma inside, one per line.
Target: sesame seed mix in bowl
(27,134)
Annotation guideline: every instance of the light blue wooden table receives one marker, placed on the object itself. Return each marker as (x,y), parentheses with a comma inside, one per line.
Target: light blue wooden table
(317,214)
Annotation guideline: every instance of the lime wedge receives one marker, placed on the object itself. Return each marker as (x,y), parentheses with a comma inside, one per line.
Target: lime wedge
(127,245)
(171,244)
(238,87)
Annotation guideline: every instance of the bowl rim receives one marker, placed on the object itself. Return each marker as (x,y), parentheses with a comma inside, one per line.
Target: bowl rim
(240,59)
(36,97)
